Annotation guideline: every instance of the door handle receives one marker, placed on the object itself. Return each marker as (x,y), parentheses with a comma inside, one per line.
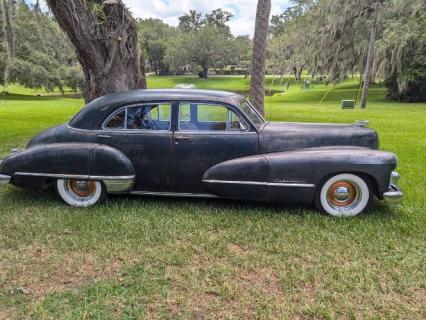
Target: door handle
(181,138)
(104,136)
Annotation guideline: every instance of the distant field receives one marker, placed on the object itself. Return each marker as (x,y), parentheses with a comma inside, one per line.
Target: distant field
(153,258)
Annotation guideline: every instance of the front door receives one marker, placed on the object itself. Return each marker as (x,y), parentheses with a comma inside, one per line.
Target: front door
(207,134)
(143,133)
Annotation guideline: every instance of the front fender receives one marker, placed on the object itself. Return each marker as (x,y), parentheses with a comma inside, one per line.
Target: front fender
(31,167)
(293,176)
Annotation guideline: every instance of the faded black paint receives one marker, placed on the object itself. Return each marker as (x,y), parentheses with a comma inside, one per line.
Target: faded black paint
(174,161)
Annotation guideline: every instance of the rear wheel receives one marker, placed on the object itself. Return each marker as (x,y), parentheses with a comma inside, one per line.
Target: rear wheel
(344,195)
(80,193)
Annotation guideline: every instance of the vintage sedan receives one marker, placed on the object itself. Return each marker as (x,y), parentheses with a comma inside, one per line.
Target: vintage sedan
(197,143)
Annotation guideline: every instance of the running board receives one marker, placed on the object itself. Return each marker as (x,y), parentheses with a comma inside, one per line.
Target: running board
(173,194)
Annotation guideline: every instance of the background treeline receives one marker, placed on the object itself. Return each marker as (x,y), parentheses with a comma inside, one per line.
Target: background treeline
(327,38)
(41,56)
(330,39)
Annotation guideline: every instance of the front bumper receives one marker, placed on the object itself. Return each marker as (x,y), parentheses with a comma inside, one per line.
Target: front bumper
(394,194)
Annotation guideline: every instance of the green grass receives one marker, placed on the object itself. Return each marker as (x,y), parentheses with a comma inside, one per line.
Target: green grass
(151,258)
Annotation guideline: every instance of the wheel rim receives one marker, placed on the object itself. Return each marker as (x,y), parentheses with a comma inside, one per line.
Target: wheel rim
(80,189)
(343,195)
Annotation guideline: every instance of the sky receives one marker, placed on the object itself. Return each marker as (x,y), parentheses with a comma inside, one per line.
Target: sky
(169,11)
(242,23)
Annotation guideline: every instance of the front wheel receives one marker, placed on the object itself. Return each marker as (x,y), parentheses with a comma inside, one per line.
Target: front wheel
(344,195)
(80,193)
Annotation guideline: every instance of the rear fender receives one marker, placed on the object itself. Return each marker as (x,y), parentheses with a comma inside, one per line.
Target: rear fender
(32,167)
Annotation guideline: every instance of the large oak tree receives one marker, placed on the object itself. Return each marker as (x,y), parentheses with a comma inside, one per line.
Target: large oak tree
(105,37)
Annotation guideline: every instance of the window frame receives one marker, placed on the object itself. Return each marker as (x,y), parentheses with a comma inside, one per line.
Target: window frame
(138,104)
(248,126)
(256,111)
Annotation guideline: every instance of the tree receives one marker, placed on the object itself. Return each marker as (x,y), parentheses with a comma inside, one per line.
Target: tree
(191,21)
(9,39)
(35,63)
(219,18)
(205,47)
(202,42)
(105,37)
(401,50)
(257,90)
(154,36)
(370,55)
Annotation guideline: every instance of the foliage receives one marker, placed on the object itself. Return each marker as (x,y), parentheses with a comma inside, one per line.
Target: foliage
(155,36)
(401,51)
(44,57)
(206,43)
(330,38)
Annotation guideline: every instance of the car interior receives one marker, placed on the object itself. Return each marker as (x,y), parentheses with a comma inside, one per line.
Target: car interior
(192,117)
(208,117)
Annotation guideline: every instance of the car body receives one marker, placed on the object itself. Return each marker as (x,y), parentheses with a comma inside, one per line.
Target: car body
(199,143)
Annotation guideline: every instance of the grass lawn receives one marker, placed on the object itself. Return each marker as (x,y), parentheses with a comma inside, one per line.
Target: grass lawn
(135,258)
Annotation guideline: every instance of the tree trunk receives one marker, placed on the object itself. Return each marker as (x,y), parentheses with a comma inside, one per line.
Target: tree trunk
(9,39)
(257,86)
(370,57)
(299,73)
(105,37)
(205,72)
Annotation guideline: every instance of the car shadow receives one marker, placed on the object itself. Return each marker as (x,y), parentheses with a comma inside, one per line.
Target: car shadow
(25,198)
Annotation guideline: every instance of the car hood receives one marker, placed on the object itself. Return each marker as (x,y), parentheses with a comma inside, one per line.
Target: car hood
(284,136)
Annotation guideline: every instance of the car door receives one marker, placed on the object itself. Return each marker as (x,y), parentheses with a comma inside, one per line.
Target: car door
(207,134)
(143,132)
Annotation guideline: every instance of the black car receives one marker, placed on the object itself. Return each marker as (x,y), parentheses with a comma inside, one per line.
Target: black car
(196,143)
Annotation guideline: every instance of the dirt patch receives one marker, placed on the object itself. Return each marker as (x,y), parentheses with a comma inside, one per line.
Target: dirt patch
(237,250)
(37,271)
(264,280)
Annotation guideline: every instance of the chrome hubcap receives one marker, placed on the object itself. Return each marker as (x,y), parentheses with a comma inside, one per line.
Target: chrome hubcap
(82,188)
(343,195)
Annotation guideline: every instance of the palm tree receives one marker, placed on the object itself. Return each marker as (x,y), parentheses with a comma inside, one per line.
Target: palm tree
(370,56)
(257,90)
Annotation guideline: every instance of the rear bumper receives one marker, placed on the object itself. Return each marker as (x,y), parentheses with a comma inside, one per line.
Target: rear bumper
(394,194)
(4,179)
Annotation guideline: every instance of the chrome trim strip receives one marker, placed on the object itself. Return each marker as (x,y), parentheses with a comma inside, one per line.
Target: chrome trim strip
(4,179)
(173,194)
(73,176)
(267,184)
(119,186)
(113,184)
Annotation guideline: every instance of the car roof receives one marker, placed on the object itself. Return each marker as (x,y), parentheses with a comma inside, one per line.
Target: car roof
(92,114)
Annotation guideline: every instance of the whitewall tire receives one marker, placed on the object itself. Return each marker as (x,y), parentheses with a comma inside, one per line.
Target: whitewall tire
(80,193)
(344,195)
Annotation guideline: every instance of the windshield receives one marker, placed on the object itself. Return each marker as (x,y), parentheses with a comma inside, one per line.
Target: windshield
(252,114)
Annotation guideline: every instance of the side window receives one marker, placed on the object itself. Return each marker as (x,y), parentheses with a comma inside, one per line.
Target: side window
(142,117)
(208,117)
(117,121)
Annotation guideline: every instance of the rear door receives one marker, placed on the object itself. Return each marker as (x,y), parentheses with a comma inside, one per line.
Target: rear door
(143,132)
(207,134)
